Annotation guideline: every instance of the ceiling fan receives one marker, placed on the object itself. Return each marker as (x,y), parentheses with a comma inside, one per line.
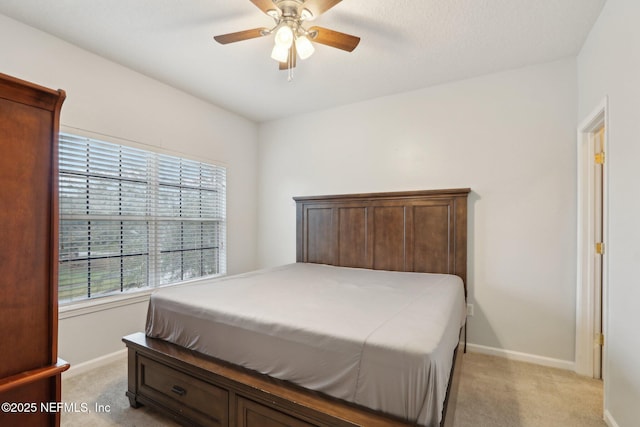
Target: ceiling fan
(292,39)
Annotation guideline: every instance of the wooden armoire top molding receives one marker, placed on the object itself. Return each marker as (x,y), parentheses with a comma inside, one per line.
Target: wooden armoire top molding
(16,90)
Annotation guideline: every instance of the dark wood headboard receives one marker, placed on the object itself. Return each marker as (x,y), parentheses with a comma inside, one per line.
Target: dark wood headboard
(422,231)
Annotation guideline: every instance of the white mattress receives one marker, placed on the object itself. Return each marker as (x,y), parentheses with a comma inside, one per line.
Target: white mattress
(381,339)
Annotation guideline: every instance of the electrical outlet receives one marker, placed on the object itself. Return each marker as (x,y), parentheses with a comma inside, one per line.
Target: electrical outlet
(469,309)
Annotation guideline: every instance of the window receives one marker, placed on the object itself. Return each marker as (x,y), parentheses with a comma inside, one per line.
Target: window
(133,219)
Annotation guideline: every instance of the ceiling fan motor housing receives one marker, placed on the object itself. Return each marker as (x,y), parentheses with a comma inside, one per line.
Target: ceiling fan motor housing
(290,8)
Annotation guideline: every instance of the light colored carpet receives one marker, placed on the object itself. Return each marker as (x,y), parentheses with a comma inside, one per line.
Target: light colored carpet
(494,392)
(497,392)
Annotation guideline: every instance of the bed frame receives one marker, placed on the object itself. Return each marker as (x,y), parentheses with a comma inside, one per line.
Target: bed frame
(422,231)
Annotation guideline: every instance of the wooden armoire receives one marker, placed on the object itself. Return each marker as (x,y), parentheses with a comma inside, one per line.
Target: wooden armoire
(30,371)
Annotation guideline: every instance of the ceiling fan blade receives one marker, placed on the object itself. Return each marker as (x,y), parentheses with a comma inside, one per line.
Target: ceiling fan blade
(240,36)
(264,5)
(334,38)
(292,58)
(318,7)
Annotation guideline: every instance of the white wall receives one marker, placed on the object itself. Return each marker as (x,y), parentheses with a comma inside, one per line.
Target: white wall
(509,136)
(106,98)
(609,65)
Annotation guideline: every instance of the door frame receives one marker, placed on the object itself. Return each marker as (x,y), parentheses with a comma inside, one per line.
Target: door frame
(585,292)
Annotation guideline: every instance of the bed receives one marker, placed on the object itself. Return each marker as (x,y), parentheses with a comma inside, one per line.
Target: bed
(348,335)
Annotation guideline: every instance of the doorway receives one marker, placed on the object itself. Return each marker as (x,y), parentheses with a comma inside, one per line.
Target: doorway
(591,307)
(598,141)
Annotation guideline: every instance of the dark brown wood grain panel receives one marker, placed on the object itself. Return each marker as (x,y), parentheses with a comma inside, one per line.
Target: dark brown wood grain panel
(352,237)
(320,235)
(199,400)
(432,246)
(252,414)
(389,238)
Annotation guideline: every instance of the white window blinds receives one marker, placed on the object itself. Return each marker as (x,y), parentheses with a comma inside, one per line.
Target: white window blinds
(131,219)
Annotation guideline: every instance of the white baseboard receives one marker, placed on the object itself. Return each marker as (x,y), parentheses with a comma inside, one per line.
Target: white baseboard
(522,357)
(92,364)
(608,419)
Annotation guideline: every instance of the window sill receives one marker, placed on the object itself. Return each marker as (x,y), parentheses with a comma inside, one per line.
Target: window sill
(114,301)
(100,304)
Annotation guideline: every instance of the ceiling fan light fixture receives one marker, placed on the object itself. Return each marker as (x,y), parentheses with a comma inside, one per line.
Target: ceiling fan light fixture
(291,37)
(280,53)
(304,47)
(284,37)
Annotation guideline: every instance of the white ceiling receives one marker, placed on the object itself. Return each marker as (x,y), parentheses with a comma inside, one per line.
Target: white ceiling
(406,45)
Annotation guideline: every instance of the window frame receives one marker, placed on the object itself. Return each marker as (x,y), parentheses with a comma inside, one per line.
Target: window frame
(72,307)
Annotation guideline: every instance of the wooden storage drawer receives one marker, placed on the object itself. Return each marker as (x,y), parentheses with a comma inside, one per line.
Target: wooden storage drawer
(253,414)
(183,394)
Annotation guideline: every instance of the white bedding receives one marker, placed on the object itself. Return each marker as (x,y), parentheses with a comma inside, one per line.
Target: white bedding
(377,338)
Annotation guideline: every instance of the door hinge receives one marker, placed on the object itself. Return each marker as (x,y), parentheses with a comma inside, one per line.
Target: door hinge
(600,248)
(600,339)
(599,157)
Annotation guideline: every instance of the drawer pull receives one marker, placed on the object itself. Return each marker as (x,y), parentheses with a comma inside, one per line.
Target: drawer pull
(178,390)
